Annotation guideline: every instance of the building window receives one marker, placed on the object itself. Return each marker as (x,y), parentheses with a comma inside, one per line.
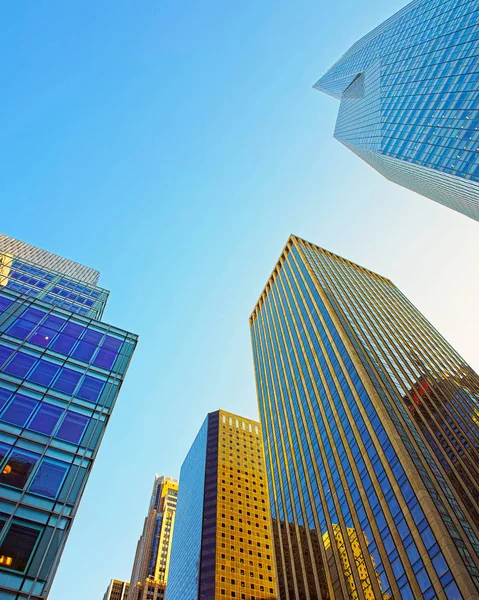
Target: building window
(72,427)
(49,478)
(46,419)
(20,410)
(17,546)
(18,468)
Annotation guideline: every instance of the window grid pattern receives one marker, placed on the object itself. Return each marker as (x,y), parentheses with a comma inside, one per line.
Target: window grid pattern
(56,396)
(355,513)
(234,558)
(409,97)
(244,545)
(60,290)
(48,260)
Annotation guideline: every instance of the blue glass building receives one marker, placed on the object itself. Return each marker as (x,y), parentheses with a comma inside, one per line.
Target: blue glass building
(61,369)
(370,425)
(409,94)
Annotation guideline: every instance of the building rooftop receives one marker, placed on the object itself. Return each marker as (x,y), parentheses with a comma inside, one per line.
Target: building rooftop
(48,260)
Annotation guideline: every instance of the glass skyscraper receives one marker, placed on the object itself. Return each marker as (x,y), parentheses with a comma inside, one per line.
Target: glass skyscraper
(149,575)
(371,428)
(409,94)
(61,369)
(222,546)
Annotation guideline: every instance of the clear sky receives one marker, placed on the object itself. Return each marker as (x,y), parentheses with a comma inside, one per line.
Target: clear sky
(174,145)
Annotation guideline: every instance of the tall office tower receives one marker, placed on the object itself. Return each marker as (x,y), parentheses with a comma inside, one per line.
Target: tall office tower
(152,559)
(370,421)
(117,590)
(409,95)
(222,545)
(61,369)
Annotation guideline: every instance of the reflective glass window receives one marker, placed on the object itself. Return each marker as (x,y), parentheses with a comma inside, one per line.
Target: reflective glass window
(84,351)
(452,591)
(34,315)
(46,418)
(67,381)
(4,303)
(17,546)
(54,322)
(73,427)
(4,449)
(90,389)
(20,364)
(74,330)
(20,410)
(63,343)
(49,478)
(44,372)
(93,337)
(4,397)
(105,358)
(26,323)
(21,328)
(111,343)
(18,467)
(5,354)
(43,336)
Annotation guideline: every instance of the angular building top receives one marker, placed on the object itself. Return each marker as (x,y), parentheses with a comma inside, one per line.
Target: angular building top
(53,279)
(48,260)
(409,100)
(370,425)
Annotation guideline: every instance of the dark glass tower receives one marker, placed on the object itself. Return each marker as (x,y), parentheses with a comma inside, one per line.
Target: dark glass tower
(409,94)
(222,545)
(61,369)
(370,423)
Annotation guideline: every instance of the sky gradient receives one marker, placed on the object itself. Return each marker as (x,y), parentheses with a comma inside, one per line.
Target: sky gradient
(174,146)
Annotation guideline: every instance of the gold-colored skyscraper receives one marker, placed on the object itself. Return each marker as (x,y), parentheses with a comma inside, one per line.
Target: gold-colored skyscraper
(372,443)
(149,576)
(222,545)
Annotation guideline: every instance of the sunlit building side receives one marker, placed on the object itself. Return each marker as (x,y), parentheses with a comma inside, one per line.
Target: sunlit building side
(372,445)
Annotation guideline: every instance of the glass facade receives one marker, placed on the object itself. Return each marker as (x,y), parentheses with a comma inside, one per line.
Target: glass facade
(409,94)
(370,424)
(60,373)
(149,576)
(186,545)
(222,545)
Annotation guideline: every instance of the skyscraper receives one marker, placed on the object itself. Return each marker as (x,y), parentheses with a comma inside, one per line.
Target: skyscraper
(409,94)
(222,546)
(371,435)
(152,559)
(117,590)
(61,369)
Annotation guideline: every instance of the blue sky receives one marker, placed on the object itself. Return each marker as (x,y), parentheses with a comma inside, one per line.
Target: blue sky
(174,146)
